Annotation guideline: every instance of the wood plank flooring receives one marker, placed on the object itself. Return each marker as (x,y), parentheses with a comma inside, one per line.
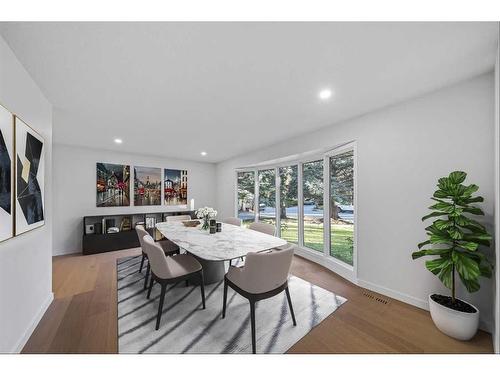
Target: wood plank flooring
(83,316)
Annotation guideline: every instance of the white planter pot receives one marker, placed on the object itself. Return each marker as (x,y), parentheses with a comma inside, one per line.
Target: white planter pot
(457,324)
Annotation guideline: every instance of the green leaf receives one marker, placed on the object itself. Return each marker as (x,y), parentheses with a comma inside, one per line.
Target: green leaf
(422,244)
(438,238)
(443,207)
(455,233)
(467,267)
(471,246)
(443,224)
(457,177)
(472,200)
(486,270)
(421,253)
(471,285)
(436,265)
(433,214)
(445,275)
(441,194)
(467,192)
(473,210)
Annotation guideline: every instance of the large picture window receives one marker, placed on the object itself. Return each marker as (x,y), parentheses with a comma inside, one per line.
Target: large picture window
(312,181)
(311,202)
(246,197)
(267,196)
(289,203)
(342,206)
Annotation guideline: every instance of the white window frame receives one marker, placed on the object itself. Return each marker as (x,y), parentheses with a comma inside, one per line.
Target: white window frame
(324,258)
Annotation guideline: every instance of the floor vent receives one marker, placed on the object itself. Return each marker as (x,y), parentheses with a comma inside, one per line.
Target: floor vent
(375,298)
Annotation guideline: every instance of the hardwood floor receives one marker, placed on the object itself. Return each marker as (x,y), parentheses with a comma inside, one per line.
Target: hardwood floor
(83,316)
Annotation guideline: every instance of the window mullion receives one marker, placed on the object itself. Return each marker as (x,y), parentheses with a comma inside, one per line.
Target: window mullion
(277,202)
(300,211)
(326,205)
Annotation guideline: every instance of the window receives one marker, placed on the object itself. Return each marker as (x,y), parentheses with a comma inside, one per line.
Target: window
(342,206)
(267,196)
(246,197)
(310,201)
(289,204)
(312,177)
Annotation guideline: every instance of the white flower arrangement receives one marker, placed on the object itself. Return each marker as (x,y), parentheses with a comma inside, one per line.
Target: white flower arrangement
(206,213)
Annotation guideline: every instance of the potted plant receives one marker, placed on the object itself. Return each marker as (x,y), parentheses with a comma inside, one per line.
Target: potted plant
(455,238)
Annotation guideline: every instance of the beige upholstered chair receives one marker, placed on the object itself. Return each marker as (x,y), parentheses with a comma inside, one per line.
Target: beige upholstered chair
(263,227)
(169,270)
(168,247)
(176,218)
(263,276)
(232,220)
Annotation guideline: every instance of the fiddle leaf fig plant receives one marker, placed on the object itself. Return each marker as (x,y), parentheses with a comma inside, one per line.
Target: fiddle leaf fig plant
(454,236)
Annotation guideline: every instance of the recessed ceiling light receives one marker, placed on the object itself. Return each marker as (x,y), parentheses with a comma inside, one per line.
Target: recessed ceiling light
(325,94)
(203,153)
(118,140)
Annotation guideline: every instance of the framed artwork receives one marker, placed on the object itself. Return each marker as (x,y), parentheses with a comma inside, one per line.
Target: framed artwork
(112,185)
(176,187)
(147,186)
(6,174)
(29,180)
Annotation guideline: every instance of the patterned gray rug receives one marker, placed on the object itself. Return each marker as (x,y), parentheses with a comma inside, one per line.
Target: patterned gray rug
(187,328)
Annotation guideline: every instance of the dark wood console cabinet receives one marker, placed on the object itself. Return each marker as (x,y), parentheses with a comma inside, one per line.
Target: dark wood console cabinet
(94,243)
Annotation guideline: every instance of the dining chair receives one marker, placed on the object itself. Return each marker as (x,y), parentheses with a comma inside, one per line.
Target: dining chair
(263,227)
(232,220)
(169,248)
(264,276)
(170,270)
(177,218)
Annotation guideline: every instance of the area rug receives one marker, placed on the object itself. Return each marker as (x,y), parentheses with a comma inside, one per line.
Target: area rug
(187,328)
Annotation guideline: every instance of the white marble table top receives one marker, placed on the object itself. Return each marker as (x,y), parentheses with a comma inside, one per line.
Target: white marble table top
(231,243)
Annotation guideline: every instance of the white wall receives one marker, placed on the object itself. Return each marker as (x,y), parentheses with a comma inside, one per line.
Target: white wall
(402,151)
(74,188)
(25,261)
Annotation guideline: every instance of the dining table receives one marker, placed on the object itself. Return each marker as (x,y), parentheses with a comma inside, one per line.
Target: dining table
(214,250)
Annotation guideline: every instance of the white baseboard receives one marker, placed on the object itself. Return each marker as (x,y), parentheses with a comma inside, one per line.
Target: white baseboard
(29,331)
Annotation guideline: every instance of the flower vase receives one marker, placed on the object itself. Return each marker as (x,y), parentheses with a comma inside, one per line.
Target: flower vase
(205,224)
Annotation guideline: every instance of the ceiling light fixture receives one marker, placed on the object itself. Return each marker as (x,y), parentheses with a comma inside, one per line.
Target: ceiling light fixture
(118,140)
(203,153)
(325,94)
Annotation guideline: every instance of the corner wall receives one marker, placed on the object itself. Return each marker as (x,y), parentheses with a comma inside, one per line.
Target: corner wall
(402,150)
(74,186)
(26,260)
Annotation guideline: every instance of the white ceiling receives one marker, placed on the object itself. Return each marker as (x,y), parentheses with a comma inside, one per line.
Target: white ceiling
(175,89)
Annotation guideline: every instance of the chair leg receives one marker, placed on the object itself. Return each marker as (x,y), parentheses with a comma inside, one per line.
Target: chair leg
(160,307)
(230,262)
(187,283)
(148,269)
(150,287)
(224,300)
(290,305)
(252,318)
(142,262)
(202,288)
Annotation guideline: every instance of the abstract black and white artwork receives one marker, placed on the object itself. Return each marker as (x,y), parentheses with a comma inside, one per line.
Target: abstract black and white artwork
(30,171)
(6,171)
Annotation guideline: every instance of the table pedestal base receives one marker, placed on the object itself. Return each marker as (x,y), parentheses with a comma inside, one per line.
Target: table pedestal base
(213,270)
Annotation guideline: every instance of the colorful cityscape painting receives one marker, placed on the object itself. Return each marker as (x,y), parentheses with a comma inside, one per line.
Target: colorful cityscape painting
(147,186)
(113,185)
(176,187)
